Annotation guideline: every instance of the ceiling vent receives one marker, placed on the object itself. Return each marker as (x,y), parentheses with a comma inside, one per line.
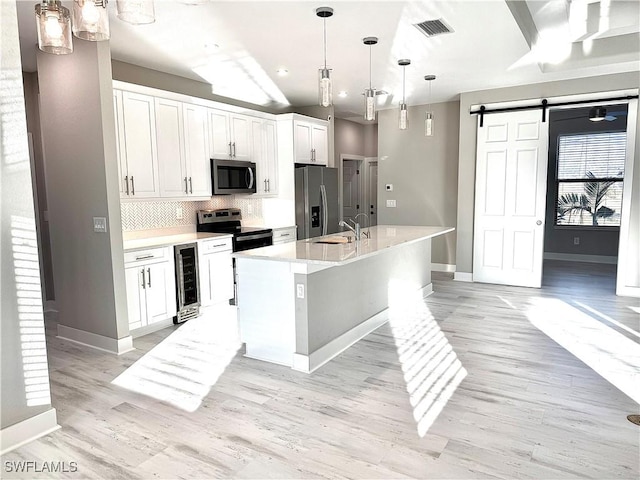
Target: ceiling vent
(431,28)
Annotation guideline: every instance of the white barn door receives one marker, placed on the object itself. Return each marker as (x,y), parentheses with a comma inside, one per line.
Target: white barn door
(511,169)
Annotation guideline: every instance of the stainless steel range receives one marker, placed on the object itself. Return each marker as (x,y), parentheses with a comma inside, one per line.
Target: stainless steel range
(229,220)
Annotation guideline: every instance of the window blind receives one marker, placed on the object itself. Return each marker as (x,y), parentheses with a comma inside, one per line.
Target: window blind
(602,154)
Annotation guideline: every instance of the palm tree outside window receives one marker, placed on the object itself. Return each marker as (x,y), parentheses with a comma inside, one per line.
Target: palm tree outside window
(589,179)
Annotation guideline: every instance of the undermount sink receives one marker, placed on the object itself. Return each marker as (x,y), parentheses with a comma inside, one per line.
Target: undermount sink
(332,240)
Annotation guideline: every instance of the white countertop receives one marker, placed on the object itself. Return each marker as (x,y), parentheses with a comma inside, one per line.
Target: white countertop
(307,251)
(165,240)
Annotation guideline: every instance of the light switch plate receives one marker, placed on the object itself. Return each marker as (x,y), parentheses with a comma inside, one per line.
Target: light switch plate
(300,290)
(179,213)
(100,224)
(391,203)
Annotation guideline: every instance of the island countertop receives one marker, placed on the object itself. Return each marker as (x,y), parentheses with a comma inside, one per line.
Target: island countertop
(313,251)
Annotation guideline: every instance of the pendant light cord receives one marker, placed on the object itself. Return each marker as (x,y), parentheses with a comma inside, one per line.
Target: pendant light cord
(324,23)
(370,67)
(403,80)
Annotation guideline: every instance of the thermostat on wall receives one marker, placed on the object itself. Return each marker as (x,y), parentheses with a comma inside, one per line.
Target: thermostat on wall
(389,187)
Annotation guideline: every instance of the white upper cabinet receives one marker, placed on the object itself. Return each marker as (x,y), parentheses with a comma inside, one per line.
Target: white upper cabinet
(198,168)
(170,135)
(229,135)
(139,158)
(265,156)
(311,142)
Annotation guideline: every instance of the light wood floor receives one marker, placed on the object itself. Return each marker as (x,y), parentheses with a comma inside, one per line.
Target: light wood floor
(477,381)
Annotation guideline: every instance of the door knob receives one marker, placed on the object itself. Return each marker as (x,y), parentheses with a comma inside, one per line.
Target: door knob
(539,222)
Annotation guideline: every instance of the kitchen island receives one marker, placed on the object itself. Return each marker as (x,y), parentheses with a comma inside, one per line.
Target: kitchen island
(302,303)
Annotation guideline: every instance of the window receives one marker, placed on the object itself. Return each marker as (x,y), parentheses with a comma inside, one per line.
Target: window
(589,179)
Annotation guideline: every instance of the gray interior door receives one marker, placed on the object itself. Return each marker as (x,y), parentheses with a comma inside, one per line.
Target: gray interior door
(350,190)
(373,193)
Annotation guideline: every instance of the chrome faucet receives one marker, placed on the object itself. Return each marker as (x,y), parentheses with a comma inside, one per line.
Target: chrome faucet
(367,233)
(356,226)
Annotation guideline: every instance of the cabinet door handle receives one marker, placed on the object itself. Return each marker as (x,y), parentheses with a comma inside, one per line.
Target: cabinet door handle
(126,182)
(144,282)
(268,185)
(285,234)
(149,279)
(234,149)
(265,185)
(143,257)
(230,154)
(186,190)
(133,186)
(190,185)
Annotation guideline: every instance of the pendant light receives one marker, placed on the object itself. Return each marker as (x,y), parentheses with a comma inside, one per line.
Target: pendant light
(370,93)
(597,114)
(325,94)
(53,23)
(90,20)
(136,12)
(403,120)
(428,118)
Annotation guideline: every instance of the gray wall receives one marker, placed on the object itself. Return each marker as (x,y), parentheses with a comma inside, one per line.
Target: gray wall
(558,239)
(371,140)
(467,150)
(19,316)
(423,171)
(79,144)
(353,138)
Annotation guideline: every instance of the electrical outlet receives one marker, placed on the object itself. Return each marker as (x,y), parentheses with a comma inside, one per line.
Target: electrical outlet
(249,209)
(576,240)
(100,224)
(300,290)
(179,213)
(391,203)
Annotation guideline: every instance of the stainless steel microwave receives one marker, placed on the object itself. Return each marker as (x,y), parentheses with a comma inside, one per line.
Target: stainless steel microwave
(232,176)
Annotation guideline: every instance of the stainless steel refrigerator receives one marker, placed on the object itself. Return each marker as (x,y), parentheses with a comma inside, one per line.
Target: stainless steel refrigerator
(316,201)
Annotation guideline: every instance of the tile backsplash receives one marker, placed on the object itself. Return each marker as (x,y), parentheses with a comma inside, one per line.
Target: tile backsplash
(163,214)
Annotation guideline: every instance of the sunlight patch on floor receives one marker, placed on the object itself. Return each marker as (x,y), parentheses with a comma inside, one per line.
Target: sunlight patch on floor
(609,353)
(182,368)
(430,366)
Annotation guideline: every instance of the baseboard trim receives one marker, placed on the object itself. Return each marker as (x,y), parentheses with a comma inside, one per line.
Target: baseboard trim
(93,340)
(628,291)
(443,267)
(313,361)
(28,430)
(463,277)
(154,327)
(574,257)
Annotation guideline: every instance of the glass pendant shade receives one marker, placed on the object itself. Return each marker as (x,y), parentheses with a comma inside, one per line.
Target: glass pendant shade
(53,23)
(404,117)
(90,20)
(325,91)
(136,12)
(428,124)
(370,104)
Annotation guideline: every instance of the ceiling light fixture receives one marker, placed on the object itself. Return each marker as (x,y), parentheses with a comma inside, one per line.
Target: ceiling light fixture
(370,93)
(53,23)
(428,118)
(136,12)
(597,114)
(325,94)
(282,72)
(404,113)
(91,20)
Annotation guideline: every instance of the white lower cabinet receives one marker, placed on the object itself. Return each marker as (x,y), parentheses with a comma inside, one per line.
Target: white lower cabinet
(151,286)
(284,235)
(216,271)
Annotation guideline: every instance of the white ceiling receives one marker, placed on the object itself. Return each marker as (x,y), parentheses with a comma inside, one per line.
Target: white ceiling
(493,45)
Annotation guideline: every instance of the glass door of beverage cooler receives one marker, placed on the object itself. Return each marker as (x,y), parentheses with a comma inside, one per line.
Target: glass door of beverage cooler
(187,282)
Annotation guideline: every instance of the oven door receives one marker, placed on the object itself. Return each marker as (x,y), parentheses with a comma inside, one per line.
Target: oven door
(256,240)
(230,176)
